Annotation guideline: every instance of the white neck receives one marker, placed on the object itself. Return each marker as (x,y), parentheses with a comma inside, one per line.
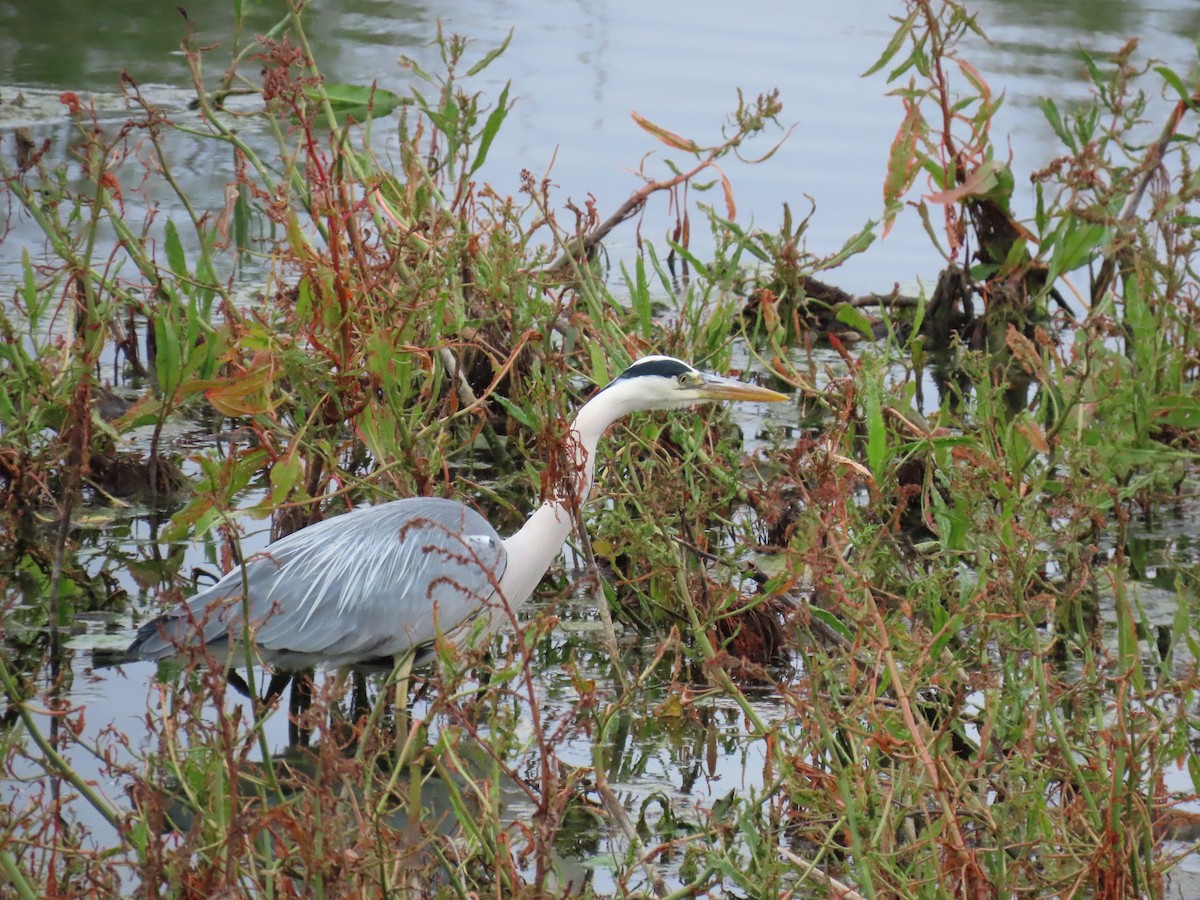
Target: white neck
(532,549)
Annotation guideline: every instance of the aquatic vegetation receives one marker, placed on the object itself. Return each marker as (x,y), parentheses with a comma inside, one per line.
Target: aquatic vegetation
(942,596)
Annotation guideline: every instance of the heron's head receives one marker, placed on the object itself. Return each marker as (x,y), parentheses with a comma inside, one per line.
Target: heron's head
(663,382)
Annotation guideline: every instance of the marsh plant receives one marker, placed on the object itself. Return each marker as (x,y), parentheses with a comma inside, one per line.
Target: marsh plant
(940,598)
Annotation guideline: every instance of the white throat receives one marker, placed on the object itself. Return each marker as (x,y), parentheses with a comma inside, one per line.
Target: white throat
(532,549)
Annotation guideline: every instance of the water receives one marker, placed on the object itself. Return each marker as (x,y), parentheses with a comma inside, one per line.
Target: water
(577,70)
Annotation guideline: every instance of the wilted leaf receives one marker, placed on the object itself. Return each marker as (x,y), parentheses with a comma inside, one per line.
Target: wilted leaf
(902,164)
(982,181)
(767,305)
(667,137)
(973,76)
(730,205)
(242,395)
(671,708)
(1025,352)
(1033,433)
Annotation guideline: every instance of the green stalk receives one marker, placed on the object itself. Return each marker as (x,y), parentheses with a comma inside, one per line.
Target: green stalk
(484,842)
(54,763)
(718,675)
(1060,731)
(16,877)
(260,715)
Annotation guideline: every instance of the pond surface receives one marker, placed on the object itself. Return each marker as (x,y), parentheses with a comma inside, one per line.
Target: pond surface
(578,69)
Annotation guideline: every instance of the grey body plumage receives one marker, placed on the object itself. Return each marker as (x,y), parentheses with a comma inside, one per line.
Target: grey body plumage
(316,599)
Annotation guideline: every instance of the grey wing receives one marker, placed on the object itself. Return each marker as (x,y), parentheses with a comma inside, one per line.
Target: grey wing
(371,583)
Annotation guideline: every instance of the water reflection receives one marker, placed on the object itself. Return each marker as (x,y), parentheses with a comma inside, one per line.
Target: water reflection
(579,70)
(1090,20)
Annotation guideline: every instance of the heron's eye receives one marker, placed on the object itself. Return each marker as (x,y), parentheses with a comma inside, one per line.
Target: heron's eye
(683,379)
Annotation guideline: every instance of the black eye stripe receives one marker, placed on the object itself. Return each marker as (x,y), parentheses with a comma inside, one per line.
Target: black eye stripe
(667,368)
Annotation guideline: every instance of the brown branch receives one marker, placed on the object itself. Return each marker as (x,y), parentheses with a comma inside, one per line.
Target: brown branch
(582,246)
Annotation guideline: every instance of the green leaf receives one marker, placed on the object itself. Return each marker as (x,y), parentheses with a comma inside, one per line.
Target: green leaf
(664,276)
(491,127)
(641,297)
(491,56)
(283,477)
(599,360)
(1178,411)
(876,429)
(830,621)
(304,299)
(1176,82)
(354,101)
(1051,113)
(201,359)
(916,341)
(893,47)
(166,356)
(98,640)
(1193,764)
(1077,243)
(351,96)
(1039,215)
(516,412)
(947,631)
(191,521)
(698,267)
(409,63)
(855,245)
(297,240)
(856,319)
(930,231)
(29,292)
(175,255)
(744,241)
(1098,78)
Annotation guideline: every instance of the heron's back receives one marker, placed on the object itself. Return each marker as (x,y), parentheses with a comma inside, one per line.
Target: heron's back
(371,583)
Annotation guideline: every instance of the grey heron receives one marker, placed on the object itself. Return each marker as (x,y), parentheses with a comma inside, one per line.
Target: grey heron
(384,582)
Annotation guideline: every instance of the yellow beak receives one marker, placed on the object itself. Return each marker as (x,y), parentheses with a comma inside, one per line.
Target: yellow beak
(714,387)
